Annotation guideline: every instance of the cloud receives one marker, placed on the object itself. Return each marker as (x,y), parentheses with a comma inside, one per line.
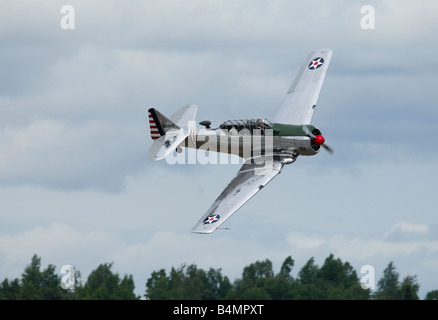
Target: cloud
(233,60)
(305,241)
(405,232)
(55,154)
(58,244)
(410,228)
(392,244)
(73,120)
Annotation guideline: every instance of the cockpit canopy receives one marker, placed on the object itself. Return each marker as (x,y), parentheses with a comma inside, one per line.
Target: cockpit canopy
(249,124)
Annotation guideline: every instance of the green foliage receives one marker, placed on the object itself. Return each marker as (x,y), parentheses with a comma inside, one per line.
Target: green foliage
(188,282)
(409,288)
(388,285)
(432,295)
(103,284)
(257,282)
(10,290)
(334,280)
(390,288)
(35,284)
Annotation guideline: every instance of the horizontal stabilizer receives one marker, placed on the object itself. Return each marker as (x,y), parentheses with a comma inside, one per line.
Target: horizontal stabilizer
(169,133)
(164,145)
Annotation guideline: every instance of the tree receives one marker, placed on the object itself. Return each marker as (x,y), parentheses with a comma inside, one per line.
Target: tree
(31,280)
(103,284)
(37,285)
(286,269)
(10,290)
(50,285)
(308,287)
(340,280)
(432,295)
(257,282)
(219,286)
(157,286)
(337,273)
(409,288)
(335,280)
(188,282)
(285,285)
(126,289)
(387,286)
(309,272)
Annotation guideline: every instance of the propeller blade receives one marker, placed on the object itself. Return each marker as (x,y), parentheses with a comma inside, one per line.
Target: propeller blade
(329,149)
(308,132)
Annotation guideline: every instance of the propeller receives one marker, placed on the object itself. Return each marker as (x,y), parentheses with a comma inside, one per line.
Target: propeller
(317,139)
(328,148)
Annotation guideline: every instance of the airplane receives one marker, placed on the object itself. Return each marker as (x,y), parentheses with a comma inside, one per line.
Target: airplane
(265,146)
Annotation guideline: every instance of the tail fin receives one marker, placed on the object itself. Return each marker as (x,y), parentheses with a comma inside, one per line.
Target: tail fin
(169,133)
(159,124)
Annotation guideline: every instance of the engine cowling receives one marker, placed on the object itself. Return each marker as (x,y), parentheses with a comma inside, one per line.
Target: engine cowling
(307,140)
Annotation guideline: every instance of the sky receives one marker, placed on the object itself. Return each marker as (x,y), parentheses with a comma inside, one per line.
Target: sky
(76,187)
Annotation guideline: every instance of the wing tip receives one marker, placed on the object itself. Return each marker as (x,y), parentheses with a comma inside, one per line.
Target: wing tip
(324,50)
(203,231)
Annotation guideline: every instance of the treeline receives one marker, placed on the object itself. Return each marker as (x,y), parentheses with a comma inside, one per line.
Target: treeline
(334,280)
(37,284)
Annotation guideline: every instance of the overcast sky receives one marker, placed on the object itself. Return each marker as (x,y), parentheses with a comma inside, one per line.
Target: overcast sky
(75,183)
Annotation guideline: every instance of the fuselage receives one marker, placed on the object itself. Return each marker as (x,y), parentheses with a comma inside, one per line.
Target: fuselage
(255,137)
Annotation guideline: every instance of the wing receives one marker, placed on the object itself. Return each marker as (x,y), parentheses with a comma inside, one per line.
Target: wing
(250,179)
(301,98)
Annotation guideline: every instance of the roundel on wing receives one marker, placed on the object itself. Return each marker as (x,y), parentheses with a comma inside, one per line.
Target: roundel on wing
(316,63)
(212,219)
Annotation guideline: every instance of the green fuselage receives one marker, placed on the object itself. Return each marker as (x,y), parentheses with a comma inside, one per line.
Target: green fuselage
(290,130)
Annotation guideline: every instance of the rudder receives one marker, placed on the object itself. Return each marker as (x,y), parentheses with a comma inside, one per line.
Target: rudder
(159,124)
